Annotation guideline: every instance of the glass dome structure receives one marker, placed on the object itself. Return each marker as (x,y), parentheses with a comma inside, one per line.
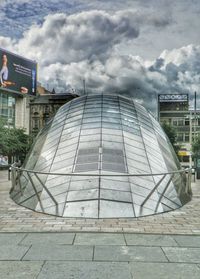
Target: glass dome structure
(103,135)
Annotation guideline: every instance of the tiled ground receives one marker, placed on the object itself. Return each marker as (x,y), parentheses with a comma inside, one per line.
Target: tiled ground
(37,246)
(98,255)
(14,218)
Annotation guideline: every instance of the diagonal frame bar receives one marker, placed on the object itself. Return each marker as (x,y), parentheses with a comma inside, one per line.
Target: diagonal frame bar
(153,190)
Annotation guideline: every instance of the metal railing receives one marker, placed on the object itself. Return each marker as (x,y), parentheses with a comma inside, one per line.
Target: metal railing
(17,173)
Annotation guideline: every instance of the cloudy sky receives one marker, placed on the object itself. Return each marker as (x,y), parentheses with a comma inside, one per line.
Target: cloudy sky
(133,47)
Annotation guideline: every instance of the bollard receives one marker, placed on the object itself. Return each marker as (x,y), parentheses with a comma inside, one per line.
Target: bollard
(9,171)
(194,174)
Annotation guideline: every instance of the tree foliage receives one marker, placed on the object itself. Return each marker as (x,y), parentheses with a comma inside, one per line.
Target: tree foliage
(196,146)
(171,133)
(14,143)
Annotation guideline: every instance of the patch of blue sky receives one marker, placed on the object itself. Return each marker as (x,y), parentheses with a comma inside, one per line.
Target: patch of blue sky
(17,17)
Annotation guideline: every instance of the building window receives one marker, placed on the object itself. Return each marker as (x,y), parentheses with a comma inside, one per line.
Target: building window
(187,137)
(187,122)
(46,109)
(36,124)
(180,122)
(175,122)
(7,109)
(180,137)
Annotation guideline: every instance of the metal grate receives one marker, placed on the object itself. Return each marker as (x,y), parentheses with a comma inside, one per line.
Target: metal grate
(87,160)
(113,160)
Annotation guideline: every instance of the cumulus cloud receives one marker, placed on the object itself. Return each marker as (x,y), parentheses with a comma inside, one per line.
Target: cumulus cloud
(6,43)
(77,37)
(16,16)
(133,76)
(82,46)
(176,71)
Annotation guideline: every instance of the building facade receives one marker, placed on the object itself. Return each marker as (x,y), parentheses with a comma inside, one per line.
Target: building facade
(7,108)
(30,112)
(174,109)
(43,107)
(14,109)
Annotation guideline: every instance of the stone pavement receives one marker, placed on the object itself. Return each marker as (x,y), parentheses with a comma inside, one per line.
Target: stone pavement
(14,218)
(38,246)
(98,256)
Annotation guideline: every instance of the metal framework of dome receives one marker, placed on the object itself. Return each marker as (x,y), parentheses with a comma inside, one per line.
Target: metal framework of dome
(101,134)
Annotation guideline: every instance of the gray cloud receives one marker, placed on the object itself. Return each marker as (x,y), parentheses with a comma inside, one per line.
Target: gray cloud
(133,76)
(84,46)
(77,37)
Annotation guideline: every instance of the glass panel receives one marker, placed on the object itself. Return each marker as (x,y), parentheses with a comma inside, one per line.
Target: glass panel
(111,125)
(84,184)
(111,132)
(69,149)
(136,151)
(69,136)
(87,132)
(86,167)
(87,209)
(138,165)
(88,159)
(114,167)
(115,195)
(110,209)
(59,165)
(91,120)
(110,138)
(91,125)
(82,195)
(114,184)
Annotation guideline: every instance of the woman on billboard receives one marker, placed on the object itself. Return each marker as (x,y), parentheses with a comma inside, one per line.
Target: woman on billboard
(4,71)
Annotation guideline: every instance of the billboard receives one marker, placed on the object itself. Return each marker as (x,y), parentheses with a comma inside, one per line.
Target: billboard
(17,73)
(165,98)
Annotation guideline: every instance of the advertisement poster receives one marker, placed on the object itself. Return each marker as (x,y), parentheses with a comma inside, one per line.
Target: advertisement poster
(17,73)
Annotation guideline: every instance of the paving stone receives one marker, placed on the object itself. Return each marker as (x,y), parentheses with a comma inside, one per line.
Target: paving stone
(150,240)
(48,238)
(12,252)
(99,239)
(129,253)
(14,218)
(11,238)
(19,270)
(59,252)
(184,255)
(188,240)
(85,270)
(164,271)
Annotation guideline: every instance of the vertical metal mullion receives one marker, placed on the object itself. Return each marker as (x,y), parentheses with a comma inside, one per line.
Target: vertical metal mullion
(145,147)
(100,157)
(60,135)
(161,150)
(124,150)
(78,143)
(59,139)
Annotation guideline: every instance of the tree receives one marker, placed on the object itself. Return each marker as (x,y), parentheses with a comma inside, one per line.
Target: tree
(196,146)
(14,143)
(171,133)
